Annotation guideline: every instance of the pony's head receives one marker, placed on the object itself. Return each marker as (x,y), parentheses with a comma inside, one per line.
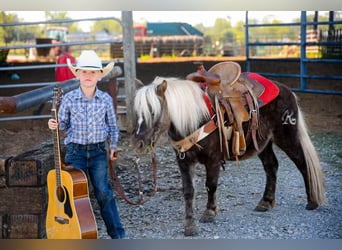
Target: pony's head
(151,119)
(164,103)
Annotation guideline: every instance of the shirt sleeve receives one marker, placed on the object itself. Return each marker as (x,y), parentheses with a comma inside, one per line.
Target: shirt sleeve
(112,123)
(63,114)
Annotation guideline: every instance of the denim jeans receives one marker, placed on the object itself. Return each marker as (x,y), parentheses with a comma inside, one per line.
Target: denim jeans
(92,159)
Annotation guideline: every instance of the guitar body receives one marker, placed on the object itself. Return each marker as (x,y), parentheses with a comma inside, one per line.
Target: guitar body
(69,212)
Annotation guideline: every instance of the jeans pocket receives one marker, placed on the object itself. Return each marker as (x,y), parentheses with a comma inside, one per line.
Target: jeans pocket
(70,151)
(102,148)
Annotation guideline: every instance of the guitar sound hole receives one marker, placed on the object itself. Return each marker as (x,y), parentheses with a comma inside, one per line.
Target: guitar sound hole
(64,197)
(60,194)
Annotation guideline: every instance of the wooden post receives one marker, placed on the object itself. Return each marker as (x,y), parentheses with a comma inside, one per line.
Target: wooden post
(129,66)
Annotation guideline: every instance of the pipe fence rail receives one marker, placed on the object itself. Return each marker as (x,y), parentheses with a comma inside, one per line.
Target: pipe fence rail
(43,91)
(43,94)
(303,60)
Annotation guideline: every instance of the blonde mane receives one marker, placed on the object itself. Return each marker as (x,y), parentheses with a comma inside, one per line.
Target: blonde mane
(185,104)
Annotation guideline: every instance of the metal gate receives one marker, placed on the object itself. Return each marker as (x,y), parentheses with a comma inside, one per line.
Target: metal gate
(43,90)
(308,41)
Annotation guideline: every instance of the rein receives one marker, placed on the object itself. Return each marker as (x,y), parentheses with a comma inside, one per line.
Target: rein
(118,184)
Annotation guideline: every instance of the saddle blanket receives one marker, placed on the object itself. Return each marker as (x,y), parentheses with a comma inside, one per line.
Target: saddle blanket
(271,89)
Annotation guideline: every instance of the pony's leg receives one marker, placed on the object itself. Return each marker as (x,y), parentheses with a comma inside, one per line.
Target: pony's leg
(212,172)
(187,173)
(270,164)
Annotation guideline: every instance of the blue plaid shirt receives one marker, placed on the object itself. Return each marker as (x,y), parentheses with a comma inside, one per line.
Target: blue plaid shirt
(88,121)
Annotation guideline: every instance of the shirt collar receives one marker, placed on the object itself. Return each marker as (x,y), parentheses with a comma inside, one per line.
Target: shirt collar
(79,94)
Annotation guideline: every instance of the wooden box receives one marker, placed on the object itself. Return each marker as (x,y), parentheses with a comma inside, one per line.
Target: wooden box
(23,193)
(26,173)
(22,226)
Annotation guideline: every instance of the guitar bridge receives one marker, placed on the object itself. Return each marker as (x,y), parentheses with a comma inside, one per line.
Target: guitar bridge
(61,220)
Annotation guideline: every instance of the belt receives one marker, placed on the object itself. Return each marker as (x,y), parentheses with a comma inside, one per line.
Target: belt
(88,146)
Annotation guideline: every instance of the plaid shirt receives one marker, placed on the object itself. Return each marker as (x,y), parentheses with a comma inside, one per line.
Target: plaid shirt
(88,121)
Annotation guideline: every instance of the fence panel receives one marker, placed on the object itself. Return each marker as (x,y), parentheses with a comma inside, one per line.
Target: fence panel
(328,44)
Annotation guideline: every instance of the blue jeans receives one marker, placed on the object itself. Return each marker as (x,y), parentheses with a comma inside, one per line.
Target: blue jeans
(92,159)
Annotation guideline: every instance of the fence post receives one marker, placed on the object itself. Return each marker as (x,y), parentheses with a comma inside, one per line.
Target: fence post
(303,50)
(129,65)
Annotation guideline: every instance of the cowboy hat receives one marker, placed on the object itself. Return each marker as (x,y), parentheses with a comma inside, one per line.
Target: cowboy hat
(88,60)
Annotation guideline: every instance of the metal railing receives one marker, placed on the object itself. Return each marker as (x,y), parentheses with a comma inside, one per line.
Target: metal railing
(44,90)
(303,60)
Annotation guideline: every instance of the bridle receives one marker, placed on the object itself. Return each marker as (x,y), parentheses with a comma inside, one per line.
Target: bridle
(119,187)
(115,177)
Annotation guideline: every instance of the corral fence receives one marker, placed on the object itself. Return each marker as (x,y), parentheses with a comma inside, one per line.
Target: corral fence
(325,41)
(42,91)
(315,46)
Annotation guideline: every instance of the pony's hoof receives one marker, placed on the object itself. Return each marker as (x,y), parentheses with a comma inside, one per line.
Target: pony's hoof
(208,216)
(190,228)
(264,206)
(311,206)
(190,231)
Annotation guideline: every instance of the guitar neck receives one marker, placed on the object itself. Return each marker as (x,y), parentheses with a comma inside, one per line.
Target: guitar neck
(57,150)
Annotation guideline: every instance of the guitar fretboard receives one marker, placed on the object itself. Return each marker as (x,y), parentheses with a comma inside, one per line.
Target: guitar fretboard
(56,140)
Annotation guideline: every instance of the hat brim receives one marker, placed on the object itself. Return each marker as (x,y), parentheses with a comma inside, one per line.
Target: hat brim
(105,71)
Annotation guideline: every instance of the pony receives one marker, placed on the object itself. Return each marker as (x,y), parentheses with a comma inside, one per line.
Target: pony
(177,106)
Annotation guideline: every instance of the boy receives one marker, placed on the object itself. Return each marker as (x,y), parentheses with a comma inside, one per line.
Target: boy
(88,117)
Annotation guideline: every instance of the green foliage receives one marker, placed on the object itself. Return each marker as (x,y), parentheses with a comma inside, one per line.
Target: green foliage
(7,33)
(109,26)
(62,15)
(18,34)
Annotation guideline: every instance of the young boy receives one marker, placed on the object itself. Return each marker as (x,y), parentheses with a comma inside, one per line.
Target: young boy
(88,117)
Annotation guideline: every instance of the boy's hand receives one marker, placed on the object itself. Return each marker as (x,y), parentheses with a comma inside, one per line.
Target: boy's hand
(113,155)
(52,124)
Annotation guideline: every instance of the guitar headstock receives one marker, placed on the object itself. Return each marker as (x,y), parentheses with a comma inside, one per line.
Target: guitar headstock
(57,97)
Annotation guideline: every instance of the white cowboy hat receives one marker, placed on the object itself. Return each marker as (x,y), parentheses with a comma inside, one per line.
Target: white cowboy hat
(88,60)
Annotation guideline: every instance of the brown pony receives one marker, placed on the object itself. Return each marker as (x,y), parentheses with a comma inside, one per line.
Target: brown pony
(178,107)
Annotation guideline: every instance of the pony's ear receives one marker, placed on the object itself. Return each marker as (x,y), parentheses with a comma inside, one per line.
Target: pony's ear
(161,88)
(138,83)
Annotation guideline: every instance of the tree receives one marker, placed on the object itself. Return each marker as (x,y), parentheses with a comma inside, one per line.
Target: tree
(61,15)
(8,33)
(109,26)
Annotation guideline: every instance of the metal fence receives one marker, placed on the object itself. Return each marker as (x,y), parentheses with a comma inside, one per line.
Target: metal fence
(332,44)
(42,91)
(303,44)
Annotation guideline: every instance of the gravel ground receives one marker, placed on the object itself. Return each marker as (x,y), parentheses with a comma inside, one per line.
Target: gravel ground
(240,188)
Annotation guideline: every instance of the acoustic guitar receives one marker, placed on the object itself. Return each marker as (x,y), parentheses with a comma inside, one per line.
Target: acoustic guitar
(69,212)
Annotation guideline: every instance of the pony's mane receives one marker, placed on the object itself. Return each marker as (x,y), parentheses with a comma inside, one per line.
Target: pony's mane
(184,99)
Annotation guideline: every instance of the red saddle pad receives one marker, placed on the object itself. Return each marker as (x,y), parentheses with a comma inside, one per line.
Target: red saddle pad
(271,89)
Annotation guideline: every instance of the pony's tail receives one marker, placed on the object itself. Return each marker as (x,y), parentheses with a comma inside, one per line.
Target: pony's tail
(315,173)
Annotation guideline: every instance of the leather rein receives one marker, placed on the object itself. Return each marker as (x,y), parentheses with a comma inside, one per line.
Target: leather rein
(119,188)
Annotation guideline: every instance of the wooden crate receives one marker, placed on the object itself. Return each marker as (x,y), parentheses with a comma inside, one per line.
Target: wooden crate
(23,193)
(27,173)
(22,200)
(3,162)
(23,226)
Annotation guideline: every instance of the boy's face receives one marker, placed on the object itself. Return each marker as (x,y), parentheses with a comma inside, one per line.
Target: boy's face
(89,78)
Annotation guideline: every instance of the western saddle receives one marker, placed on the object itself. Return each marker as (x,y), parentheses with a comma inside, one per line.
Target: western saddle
(234,97)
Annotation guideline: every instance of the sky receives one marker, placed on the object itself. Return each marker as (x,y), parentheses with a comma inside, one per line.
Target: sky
(207,18)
